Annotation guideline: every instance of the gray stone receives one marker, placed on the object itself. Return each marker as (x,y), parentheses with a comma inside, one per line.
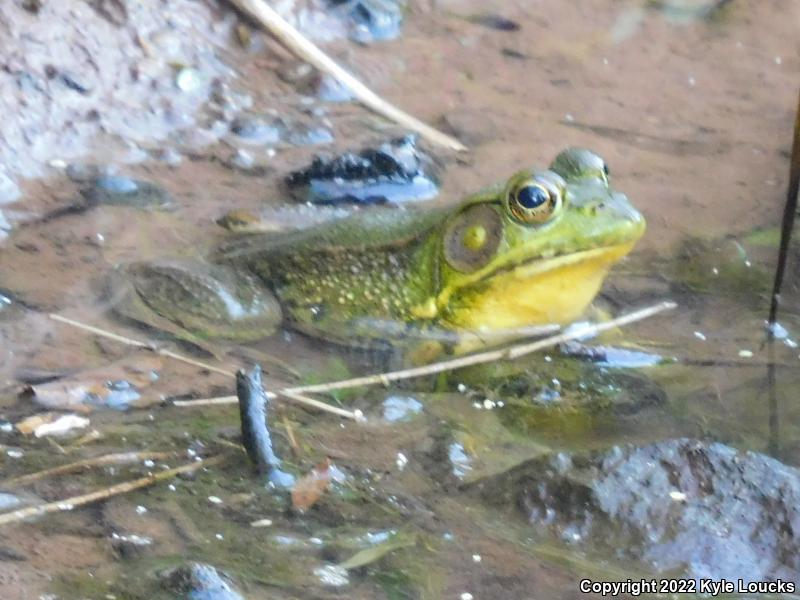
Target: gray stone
(705,510)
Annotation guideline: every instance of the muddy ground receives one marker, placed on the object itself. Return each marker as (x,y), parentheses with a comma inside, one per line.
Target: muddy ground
(693,115)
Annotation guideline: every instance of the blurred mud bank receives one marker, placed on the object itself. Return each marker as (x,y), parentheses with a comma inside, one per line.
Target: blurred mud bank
(118,76)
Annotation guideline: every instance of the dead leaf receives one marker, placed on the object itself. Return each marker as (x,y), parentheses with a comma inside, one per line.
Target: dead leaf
(370,555)
(309,488)
(28,425)
(48,424)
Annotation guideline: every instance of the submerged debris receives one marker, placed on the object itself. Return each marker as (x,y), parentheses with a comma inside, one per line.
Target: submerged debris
(199,581)
(255,435)
(119,386)
(395,172)
(51,424)
(400,408)
(310,488)
(125,191)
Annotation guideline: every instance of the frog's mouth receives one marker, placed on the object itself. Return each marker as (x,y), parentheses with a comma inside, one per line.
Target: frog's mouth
(536,291)
(538,265)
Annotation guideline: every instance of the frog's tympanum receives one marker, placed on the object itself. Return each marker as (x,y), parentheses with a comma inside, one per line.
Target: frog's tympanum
(534,250)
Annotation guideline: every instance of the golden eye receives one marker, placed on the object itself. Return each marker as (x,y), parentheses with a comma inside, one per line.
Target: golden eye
(533,203)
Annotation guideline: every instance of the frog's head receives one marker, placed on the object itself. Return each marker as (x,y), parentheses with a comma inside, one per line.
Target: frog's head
(536,251)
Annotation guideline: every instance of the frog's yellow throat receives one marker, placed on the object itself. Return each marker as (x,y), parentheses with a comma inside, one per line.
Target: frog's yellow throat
(555,290)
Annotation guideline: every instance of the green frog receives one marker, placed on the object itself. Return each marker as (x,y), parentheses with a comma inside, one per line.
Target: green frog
(531,251)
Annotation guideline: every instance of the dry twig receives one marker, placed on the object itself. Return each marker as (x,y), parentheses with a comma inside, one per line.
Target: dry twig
(137,344)
(511,352)
(115,490)
(292,395)
(107,459)
(306,50)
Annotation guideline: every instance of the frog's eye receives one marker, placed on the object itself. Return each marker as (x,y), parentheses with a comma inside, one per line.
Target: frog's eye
(533,203)
(472,238)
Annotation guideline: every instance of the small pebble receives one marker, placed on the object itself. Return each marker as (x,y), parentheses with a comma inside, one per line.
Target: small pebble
(402,461)
(332,575)
(677,496)
(466,596)
(140,510)
(242,160)
(745,354)
(261,523)
(329,89)
(476,558)
(700,336)
(189,80)
(219,536)
(215,500)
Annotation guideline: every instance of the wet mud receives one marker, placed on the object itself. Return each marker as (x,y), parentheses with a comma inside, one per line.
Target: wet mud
(691,109)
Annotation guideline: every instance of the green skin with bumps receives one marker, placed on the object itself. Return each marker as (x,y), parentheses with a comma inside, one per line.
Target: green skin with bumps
(351,280)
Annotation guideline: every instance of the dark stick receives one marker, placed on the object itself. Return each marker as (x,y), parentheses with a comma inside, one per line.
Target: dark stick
(787,224)
(255,435)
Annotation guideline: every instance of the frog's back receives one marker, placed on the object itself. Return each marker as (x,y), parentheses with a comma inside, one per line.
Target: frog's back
(365,230)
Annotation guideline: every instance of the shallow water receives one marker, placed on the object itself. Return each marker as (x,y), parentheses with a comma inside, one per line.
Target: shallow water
(694,117)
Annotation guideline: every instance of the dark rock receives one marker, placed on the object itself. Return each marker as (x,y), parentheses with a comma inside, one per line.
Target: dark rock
(255,130)
(301,135)
(125,191)
(329,89)
(682,506)
(86,173)
(9,554)
(370,20)
(169,156)
(296,72)
(516,54)
(495,21)
(395,172)
(74,83)
(242,160)
(131,547)
(198,581)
